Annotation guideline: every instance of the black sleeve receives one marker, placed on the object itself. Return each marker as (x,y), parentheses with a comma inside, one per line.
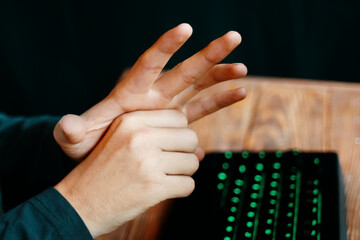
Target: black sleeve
(45,216)
(30,159)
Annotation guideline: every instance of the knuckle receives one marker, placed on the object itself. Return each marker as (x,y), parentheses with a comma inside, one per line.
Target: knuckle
(139,139)
(124,120)
(147,62)
(195,164)
(192,138)
(212,56)
(188,187)
(206,108)
(187,77)
(130,120)
(181,118)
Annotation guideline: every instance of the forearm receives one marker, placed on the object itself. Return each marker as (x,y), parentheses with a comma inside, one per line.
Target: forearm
(30,159)
(45,216)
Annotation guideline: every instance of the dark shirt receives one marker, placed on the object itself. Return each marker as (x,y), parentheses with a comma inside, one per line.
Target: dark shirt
(30,164)
(45,216)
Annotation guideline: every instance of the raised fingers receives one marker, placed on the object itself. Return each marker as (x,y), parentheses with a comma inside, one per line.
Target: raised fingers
(218,73)
(187,72)
(203,106)
(148,67)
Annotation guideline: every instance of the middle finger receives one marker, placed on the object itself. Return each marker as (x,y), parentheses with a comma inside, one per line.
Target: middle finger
(187,72)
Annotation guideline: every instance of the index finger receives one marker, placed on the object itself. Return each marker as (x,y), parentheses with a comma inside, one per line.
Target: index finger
(193,68)
(150,64)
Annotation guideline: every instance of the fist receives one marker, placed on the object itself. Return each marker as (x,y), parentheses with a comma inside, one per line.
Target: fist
(144,158)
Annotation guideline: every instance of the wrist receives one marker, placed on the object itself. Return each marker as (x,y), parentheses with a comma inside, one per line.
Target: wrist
(68,189)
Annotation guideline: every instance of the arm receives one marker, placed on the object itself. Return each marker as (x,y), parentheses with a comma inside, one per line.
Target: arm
(144,158)
(37,219)
(30,159)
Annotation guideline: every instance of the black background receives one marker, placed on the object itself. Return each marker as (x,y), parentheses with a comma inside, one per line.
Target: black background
(63,56)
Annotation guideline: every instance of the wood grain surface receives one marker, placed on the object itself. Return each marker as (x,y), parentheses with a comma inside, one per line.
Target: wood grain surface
(279,114)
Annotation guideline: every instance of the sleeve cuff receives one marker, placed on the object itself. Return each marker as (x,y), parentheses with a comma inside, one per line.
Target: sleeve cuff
(59,213)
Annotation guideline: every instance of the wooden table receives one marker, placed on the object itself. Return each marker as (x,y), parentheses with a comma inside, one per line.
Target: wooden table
(280,114)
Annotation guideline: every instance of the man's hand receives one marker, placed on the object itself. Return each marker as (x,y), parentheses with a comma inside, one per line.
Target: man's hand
(144,158)
(145,88)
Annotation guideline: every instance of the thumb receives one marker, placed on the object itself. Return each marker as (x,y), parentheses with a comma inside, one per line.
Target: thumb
(71,129)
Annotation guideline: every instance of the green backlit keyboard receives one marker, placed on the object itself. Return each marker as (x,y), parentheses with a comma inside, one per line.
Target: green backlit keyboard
(266,195)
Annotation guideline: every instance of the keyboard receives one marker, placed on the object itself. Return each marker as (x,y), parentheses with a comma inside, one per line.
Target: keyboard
(264,195)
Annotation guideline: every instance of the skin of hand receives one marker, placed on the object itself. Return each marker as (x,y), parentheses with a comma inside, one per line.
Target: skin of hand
(145,88)
(144,158)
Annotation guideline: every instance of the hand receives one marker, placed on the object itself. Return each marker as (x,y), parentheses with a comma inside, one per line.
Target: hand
(144,88)
(144,158)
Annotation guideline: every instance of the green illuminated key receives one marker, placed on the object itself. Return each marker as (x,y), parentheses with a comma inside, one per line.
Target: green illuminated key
(296,152)
(259,166)
(277,165)
(273,184)
(237,191)
(251,214)
(254,195)
(245,154)
(228,154)
(222,176)
(258,178)
(242,168)
(235,199)
(239,182)
(276,175)
(225,165)
(273,193)
(248,235)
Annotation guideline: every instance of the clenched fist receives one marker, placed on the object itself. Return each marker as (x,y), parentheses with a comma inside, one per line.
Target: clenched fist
(144,158)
